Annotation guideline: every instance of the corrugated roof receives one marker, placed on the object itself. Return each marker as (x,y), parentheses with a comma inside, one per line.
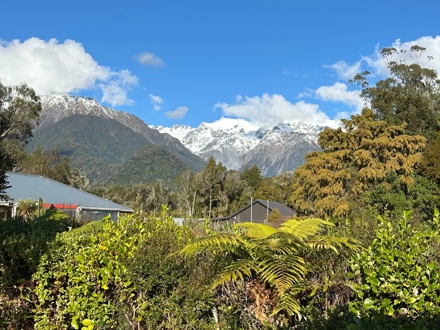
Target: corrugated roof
(29,186)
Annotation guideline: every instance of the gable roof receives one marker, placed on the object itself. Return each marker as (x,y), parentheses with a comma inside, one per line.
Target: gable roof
(284,210)
(30,186)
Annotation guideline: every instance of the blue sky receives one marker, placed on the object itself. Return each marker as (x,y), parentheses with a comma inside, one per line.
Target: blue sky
(187,61)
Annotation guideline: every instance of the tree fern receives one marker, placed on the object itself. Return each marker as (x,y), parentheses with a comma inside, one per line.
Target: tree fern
(269,254)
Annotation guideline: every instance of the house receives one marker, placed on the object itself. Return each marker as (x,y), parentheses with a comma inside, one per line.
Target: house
(258,210)
(71,200)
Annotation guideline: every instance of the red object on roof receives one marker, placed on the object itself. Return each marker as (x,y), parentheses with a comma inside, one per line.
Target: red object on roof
(61,206)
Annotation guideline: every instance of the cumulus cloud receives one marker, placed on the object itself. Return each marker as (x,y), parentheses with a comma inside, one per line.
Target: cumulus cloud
(339,92)
(156,101)
(376,64)
(51,67)
(179,113)
(274,109)
(150,59)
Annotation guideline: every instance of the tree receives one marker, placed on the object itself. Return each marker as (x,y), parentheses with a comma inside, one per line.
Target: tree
(269,256)
(277,188)
(252,176)
(188,192)
(48,163)
(430,163)
(355,157)
(19,110)
(211,178)
(410,95)
(26,208)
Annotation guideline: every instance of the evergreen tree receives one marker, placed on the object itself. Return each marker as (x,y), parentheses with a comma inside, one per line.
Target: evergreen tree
(211,178)
(355,157)
(252,176)
(19,109)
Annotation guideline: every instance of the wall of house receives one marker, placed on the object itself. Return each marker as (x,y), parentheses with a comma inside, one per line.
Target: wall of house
(256,213)
(88,214)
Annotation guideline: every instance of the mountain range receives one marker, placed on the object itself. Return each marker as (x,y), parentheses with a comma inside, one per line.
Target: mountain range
(238,143)
(112,146)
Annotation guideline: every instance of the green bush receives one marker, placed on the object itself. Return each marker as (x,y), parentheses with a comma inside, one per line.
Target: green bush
(398,274)
(122,276)
(22,243)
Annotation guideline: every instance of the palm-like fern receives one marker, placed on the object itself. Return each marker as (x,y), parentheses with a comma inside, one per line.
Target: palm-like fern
(273,255)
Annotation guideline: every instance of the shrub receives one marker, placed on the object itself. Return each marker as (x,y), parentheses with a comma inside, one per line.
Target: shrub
(398,274)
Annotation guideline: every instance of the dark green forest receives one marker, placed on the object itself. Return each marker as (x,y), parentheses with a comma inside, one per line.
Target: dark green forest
(362,252)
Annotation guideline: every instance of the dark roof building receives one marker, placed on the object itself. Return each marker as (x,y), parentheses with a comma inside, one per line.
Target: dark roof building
(258,211)
(61,196)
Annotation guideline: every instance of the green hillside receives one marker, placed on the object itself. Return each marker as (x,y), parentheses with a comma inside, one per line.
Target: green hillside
(107,151)
(150,163)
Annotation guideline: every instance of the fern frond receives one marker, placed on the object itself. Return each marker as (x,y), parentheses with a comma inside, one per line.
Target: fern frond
(333,243)
(282,272)
(219,242)
(256,230)
(303,229)
(235,271)
(279,243)
(287,303)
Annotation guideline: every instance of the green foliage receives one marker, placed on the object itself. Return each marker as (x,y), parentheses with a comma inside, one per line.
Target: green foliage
(269,256)
(356,158)
(22,243)
(49,164)
(252,176)
(19,110)
(398,275)
(430,164)
(83,275)
(276,189)
(390,198)
(118,276)
(105,150)
(409,95)
(26,208)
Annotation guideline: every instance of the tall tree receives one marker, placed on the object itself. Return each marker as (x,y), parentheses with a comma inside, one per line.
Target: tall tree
(211,177)
(411,94)
(252,176)
(355,157)
(19,110)
(188,190)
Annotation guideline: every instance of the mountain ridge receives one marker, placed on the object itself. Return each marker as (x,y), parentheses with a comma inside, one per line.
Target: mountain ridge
(238,143)
(234,142)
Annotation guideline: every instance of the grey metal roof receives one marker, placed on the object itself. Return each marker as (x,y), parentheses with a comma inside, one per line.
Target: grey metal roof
(284,210)
(29,186)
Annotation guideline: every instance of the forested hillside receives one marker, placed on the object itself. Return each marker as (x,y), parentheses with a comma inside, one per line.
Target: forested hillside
(100,147)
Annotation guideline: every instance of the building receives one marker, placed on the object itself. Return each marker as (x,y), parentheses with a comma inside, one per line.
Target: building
(258,210)
(73,201)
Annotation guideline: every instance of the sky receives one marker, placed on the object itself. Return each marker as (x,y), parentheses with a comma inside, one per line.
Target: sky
(191,61)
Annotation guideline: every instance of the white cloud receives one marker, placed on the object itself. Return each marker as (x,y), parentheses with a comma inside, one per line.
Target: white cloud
(51,67)
(338,93)
(344,70)
(274,109)
(156,101)
(150,59)
(179,113)
(377,66)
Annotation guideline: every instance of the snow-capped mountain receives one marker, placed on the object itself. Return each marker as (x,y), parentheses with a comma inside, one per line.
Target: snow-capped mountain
(57,107)
(237,143)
